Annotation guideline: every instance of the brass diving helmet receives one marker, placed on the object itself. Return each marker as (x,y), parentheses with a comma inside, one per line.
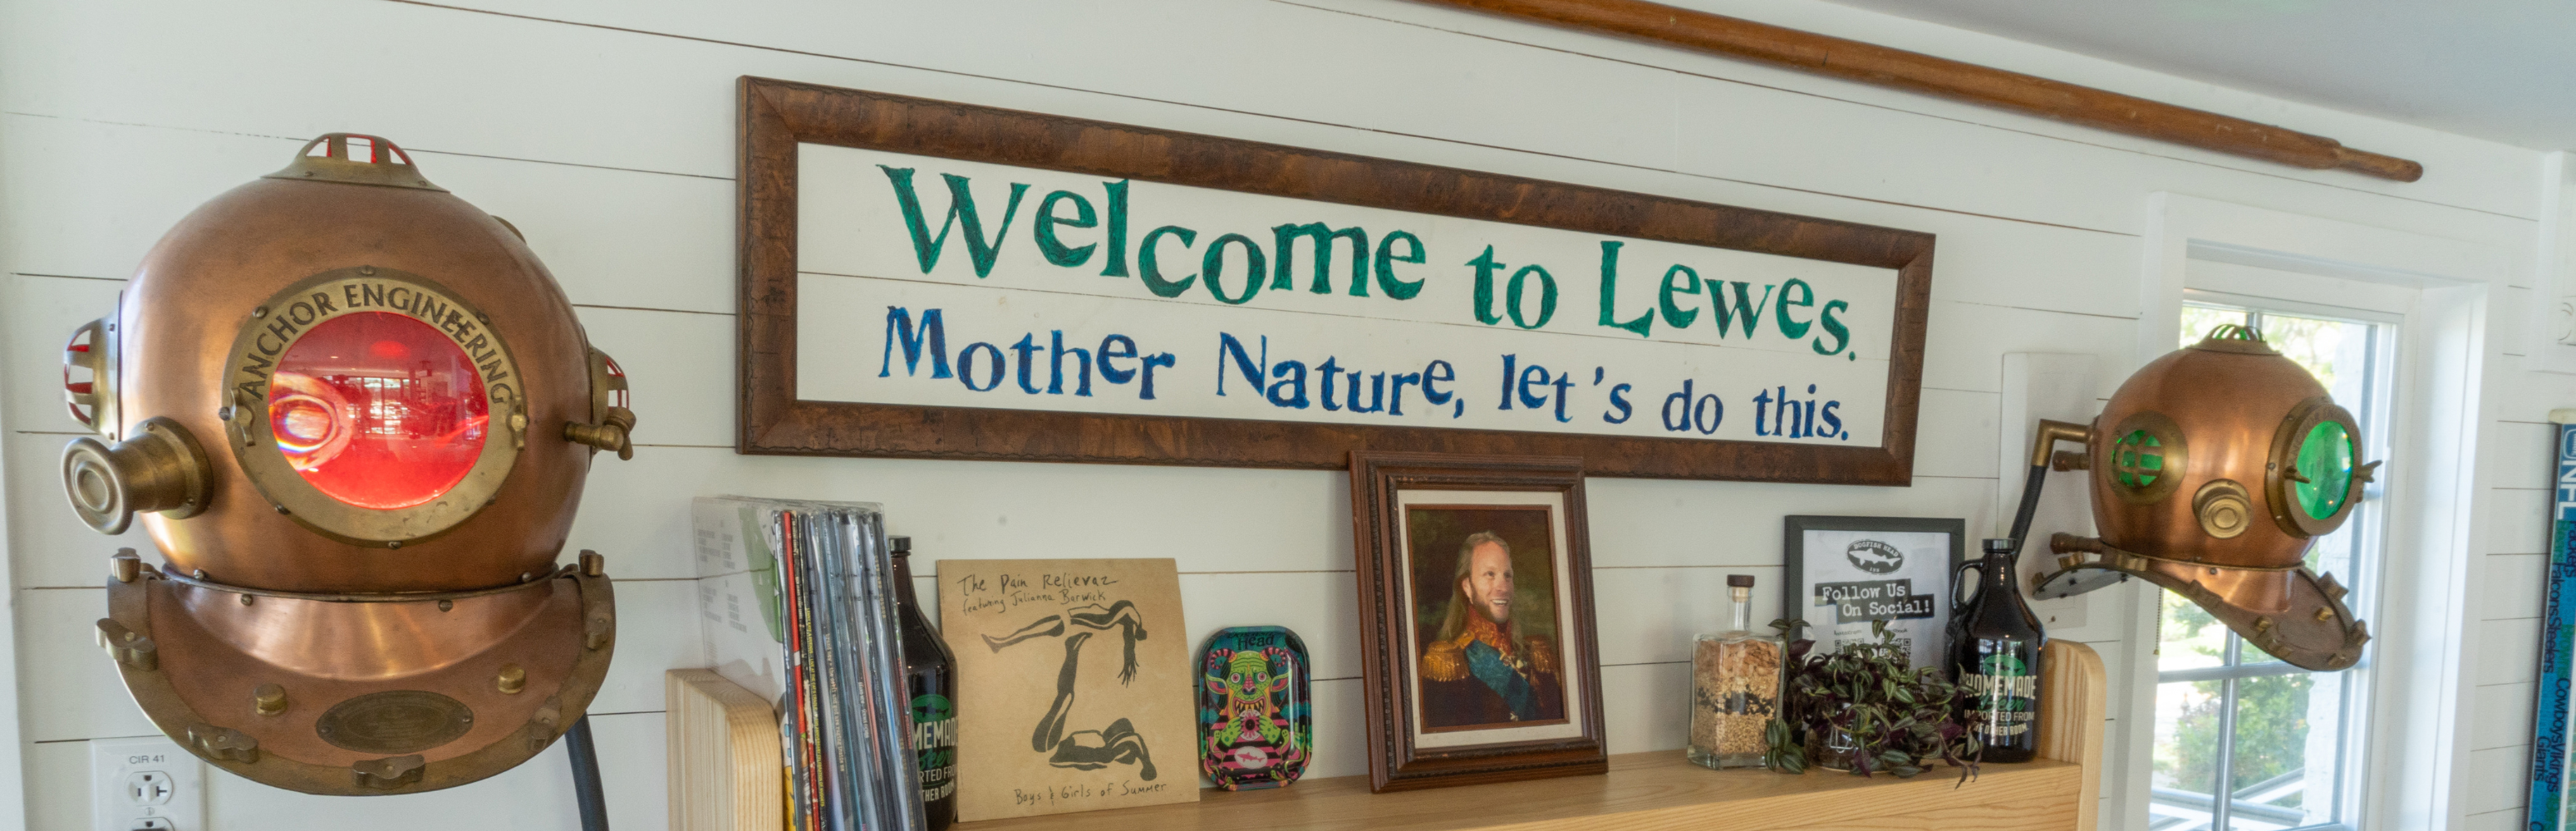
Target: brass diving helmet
(354,413)
(2213,469)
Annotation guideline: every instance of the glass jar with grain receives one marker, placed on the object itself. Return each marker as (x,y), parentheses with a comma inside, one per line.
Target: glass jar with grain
(1735,687)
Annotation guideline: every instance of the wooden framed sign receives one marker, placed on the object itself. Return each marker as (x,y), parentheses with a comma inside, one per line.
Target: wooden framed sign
(930,279)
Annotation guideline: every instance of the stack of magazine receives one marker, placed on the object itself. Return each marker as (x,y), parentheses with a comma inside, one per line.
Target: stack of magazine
(796,605)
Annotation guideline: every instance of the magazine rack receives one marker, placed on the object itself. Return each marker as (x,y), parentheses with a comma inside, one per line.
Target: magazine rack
(1643,791)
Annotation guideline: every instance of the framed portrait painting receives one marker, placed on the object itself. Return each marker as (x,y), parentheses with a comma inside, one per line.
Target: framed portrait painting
(1845,572)
(1477,642)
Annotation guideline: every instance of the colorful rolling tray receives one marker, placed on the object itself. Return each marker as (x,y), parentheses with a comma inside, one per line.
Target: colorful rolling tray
(1256,727)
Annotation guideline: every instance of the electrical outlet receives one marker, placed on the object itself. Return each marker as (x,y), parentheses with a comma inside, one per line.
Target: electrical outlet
(149,787)
(145,785)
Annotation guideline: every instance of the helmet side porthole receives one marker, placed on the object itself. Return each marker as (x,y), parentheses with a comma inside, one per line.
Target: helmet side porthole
(612,425)
(2148,458)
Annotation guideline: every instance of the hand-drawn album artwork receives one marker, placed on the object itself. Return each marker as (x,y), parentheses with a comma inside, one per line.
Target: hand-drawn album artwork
(1073,685)
(1256,728)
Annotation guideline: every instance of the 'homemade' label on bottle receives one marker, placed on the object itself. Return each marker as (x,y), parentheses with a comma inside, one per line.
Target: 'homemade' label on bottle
(934,745)
(2003,692)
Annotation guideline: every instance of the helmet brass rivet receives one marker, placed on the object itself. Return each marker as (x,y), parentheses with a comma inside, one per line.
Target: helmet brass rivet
(259,312)
(526,576)
(512,680)
(445,605)
(268,699)
(394,544)
(199,574)
(245,598)
(280,508)
(367,270)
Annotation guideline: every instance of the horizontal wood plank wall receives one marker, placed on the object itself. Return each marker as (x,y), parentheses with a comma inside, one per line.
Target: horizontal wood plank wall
(605,131)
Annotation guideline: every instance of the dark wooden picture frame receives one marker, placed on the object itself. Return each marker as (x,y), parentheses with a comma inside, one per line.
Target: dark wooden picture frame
(1794,563)
(777,115)
(1388,647)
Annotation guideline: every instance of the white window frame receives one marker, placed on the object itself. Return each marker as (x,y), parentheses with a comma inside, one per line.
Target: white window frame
(2444,292)
(13,764)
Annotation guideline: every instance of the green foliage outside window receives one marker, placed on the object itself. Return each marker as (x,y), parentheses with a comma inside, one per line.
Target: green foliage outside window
(2271,719)
(2271,734)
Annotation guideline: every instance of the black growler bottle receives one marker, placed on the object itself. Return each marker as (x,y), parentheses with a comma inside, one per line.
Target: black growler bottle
(932,671)
(1994,654)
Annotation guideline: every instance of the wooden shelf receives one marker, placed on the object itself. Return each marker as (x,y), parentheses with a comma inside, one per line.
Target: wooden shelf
(1641,791)
(1660,790)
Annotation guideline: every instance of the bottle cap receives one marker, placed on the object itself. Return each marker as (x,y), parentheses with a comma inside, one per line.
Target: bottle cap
(1739,581)
(899,545)
(1999,545)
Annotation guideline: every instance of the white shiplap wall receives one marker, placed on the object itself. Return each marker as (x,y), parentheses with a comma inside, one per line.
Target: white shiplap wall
(605,131)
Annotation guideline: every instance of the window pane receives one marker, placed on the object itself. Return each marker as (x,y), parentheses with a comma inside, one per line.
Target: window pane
(2187,637)
(2186,755)
(2335,351)
(2198,320)
(2285,729)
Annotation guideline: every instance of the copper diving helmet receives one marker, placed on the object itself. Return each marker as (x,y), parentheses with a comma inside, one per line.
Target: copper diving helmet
(2213,469)
(354,413)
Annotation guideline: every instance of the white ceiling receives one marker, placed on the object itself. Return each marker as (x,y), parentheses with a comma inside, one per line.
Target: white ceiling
(2503,70)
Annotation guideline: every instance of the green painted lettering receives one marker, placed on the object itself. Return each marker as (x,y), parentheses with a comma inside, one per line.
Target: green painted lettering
(1284,239)
(961,211)
(1610,292)
(1053,248)
(1387,258)
(1147,265)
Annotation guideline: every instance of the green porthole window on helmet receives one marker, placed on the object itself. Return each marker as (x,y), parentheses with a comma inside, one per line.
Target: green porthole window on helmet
(2144,458)
(2137,459)
(2325,470)
(2314,474)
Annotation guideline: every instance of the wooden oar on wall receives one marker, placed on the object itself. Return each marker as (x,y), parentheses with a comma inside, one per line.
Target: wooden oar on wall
(1917,72)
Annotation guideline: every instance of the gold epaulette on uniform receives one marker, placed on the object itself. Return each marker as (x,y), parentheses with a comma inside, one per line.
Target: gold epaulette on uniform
(1542,654)
(1446,660)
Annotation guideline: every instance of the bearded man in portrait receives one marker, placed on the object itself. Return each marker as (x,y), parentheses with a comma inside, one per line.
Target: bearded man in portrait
(1481,670)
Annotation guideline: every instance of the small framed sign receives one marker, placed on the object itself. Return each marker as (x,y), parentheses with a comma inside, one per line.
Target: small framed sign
(934,279)
(1846,571)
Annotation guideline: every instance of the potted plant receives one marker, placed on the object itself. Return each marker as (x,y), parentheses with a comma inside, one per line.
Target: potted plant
(1862,709)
